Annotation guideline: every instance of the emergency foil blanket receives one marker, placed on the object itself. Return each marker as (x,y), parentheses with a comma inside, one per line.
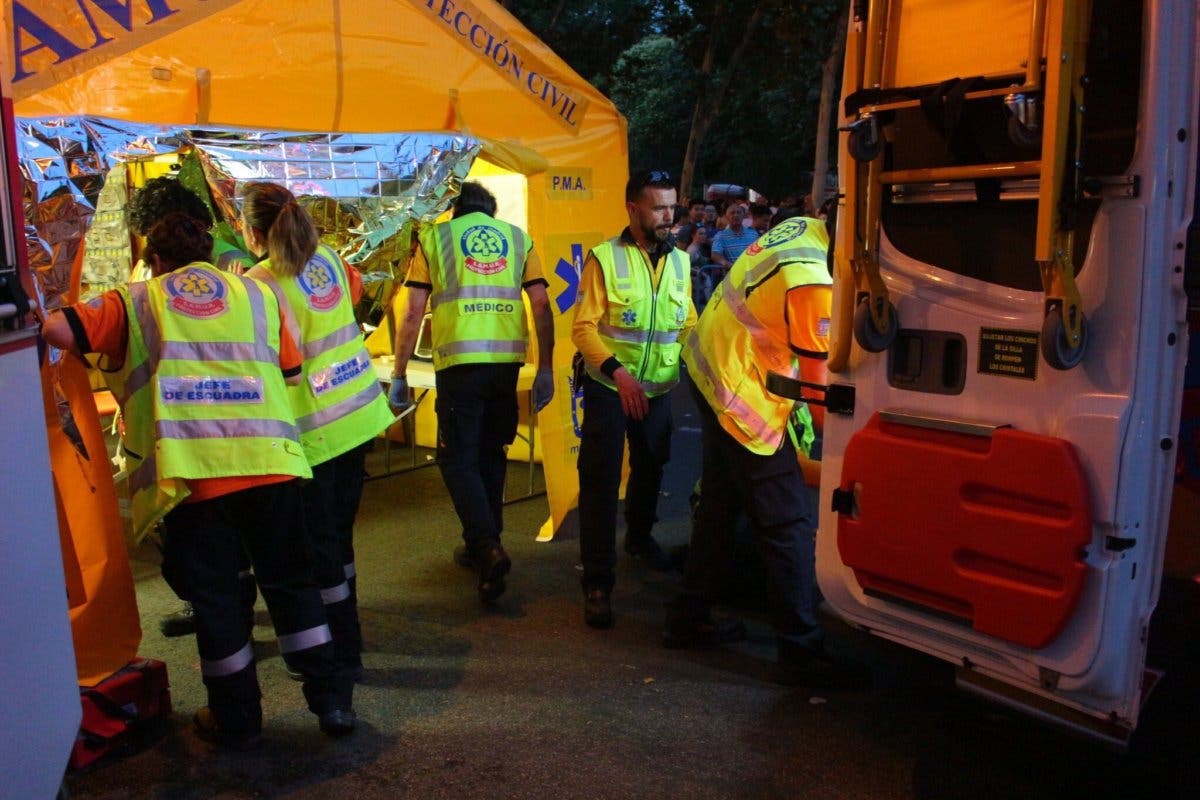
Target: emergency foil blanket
(365,191)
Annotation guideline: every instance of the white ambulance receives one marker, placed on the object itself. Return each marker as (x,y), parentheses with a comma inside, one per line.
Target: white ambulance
(1009,339)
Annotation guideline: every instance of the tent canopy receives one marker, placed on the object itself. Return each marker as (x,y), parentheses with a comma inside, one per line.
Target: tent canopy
(365,66)
(326,65)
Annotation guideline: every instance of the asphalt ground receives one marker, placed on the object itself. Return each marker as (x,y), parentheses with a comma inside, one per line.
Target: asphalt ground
(524,701)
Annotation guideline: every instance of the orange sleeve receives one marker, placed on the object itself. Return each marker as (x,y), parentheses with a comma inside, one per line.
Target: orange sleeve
(808,311)
(103,322)
(290,359)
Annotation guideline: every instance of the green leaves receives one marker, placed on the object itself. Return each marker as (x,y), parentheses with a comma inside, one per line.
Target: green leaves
(648,56)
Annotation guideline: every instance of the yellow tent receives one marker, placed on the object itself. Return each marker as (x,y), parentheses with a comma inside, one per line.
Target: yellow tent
(365,66)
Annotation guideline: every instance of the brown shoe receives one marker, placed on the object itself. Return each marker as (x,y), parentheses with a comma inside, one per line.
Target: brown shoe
(494,565)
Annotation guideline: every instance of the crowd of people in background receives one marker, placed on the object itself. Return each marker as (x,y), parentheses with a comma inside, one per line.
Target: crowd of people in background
(715,232)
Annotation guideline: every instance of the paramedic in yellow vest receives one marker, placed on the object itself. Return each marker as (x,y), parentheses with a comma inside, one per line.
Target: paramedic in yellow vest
(162,196)
(199,360)
(769,315)
(634,309)
(474,268)
(338,404)
(157,198)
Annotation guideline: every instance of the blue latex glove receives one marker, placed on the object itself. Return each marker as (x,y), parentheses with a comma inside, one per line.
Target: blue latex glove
(398,395)
(543,389)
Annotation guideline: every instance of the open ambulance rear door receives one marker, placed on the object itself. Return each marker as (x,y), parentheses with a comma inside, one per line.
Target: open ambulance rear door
(1010,335)
(39,704)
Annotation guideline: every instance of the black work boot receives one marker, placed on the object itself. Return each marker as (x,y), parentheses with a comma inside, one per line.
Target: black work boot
(337,722)
(210,731)
(819,669)
(690,623)
(597,607)
(180,623)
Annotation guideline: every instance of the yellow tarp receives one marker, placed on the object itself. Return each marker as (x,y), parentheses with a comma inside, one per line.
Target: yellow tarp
(366,66)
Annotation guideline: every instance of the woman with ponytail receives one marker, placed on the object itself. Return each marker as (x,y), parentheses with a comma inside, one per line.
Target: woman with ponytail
(338,404)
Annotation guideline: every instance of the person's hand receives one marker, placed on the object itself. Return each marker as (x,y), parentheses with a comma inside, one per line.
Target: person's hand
(543,389)
(633,397)
(398,396)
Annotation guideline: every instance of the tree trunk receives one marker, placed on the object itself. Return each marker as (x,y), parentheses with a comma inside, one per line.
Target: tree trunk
(554,17)
(708,105)
(830,73)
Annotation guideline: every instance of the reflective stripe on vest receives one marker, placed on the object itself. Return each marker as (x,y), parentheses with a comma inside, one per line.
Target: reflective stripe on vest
(641,323)
(151,497)
(338,403)
(743,333)
(477,266)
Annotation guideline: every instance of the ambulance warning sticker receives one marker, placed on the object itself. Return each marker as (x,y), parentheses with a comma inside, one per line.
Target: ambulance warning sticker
(1011,354)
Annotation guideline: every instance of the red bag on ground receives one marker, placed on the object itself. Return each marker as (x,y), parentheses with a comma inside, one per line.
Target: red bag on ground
(117,707)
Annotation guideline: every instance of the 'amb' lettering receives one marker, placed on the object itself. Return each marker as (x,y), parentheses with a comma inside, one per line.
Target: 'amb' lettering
(32,34)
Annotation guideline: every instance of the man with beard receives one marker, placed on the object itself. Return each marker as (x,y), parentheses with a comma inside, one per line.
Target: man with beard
(634,309)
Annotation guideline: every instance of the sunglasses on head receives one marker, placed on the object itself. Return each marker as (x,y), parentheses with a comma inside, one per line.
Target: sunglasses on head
(659,176)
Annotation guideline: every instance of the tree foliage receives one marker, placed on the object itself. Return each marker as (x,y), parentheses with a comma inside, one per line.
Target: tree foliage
(649,56)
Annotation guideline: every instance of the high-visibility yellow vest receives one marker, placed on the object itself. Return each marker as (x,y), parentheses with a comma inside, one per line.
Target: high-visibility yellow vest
(743,333)
(339,404)
(226,254)
(201,391)
(641,325)
(477,266)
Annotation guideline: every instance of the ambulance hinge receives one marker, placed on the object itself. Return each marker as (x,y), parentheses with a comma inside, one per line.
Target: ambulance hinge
(843,502)
(1119,544)
(1125,187)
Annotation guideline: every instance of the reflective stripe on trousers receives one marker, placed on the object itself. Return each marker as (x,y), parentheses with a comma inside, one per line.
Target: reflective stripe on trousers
(230,665)
(302,640)
(336,594)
